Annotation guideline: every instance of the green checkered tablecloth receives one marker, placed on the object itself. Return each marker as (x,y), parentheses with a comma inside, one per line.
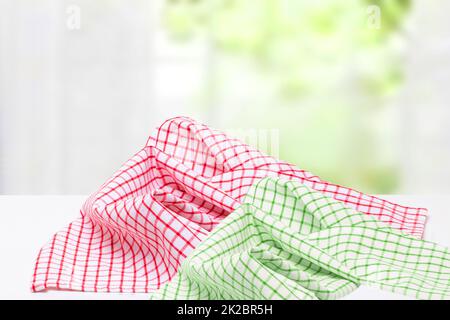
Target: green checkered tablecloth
(290,242)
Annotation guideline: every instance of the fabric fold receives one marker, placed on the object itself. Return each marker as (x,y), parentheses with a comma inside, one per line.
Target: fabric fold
(134,232)
(288,241)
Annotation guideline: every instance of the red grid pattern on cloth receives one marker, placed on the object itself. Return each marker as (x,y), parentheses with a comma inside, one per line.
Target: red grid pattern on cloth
(135,231)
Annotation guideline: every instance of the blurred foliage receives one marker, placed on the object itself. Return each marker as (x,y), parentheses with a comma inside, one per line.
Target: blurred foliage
(326,65)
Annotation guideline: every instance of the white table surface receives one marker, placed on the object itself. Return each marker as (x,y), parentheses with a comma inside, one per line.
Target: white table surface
(28,222)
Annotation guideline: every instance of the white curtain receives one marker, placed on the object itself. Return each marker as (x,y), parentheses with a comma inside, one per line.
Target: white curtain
(82,83)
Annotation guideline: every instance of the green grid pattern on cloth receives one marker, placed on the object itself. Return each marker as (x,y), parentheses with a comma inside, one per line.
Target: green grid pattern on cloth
(288,241)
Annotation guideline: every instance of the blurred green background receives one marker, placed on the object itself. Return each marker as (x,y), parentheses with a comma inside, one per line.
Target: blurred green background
(321,72)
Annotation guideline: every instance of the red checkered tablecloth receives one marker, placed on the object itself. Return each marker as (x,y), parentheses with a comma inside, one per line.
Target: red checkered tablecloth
(136,229)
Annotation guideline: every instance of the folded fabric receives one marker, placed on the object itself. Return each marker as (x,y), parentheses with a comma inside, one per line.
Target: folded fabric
(137,228)
(288,241)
